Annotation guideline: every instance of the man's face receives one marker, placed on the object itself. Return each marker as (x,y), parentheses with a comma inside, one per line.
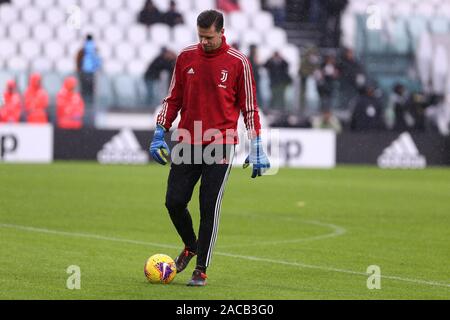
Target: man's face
(209,38)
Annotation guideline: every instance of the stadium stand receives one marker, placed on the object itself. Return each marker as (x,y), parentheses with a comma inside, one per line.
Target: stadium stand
(395,41)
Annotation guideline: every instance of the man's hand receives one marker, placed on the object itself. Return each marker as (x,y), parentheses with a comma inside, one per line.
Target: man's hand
(257,158)
(158,148)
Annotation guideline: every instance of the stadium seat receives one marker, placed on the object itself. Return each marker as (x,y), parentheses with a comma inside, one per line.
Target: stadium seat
(425,9)
(42,32)
(262,21)
(113,34)
(137,67)
(31,16)
(439,25)
(162,5)
(264,53)
(65,34)
(101,18)
(53,49)
(444,10)
(135,6)
(148,52)
(348,26)
(190,20)
(291,54)
(440,69)
(125,52)
(115,5)
(113,67)
(7,48)
(184,5)
(250,36)
(8,15)
(402,9)
(250,6)
(105,50)
(22,3)
(17,63)
(399,40)
(55,17)
(424,56)
(160,34)
(30,49)
(125,90)
(201,5)
(138,34)
(18,31)
(416,26)
(44,4)
(65,66)
(88,5)
(276,38)
(183,35)
(52,81)
(104,90)
(238,21)
(41,65)
(124,18)
(231,35)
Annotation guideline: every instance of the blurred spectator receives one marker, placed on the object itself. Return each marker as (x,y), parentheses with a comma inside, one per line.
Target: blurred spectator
(172,17)
(165,61)
(332,24)
(36,101)
(4,1)
(69,106)
(279,79)
(88,63)
(310,62)
(12,104)
(418,103)
(367,111)
(326,79)
(278,10)
(352,77)
(254,61)
(397,116)
(327,121)
(228,6)
(149,14)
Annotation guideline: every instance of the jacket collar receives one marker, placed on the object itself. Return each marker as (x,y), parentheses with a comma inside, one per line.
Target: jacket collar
(223,48)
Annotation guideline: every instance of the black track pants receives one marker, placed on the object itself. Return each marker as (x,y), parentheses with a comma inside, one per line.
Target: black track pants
(182,180)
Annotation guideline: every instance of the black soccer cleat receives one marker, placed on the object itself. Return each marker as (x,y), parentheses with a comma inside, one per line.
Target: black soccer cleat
(198,279)
(183,259)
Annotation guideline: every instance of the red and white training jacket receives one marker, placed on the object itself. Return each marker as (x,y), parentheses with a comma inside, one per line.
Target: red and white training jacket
(211,87)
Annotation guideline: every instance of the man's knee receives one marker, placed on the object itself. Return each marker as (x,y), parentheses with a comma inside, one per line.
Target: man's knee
(175,205)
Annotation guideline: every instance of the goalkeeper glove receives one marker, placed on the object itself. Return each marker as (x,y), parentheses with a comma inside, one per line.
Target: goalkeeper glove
(158,148)
(257,157)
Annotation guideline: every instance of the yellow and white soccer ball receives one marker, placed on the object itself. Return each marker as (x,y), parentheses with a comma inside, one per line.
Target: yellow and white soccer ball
(160,268)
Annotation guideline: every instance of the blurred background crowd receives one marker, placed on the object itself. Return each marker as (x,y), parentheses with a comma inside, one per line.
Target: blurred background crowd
(348,65)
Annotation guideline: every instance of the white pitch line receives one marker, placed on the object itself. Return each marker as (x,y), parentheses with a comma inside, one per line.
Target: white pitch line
(337,231)
(160,245)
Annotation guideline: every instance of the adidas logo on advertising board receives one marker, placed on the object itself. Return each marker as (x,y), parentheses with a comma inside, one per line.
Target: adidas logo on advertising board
(123,148)
(402,153)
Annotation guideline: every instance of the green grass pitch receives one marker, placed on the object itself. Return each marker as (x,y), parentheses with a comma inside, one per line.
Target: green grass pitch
(301,234)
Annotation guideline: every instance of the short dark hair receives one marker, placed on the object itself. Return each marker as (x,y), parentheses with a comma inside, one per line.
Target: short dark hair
(210,17)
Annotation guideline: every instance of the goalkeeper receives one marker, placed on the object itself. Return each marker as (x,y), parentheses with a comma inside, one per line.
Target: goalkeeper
(211,84)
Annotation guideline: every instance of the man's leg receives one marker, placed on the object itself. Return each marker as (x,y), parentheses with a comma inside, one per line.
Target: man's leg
(214,179)
(181,183)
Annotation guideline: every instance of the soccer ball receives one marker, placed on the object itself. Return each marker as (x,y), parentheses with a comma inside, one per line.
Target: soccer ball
(160,268)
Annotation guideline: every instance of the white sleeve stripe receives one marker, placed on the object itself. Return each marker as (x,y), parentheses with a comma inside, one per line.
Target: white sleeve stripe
(248,88)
